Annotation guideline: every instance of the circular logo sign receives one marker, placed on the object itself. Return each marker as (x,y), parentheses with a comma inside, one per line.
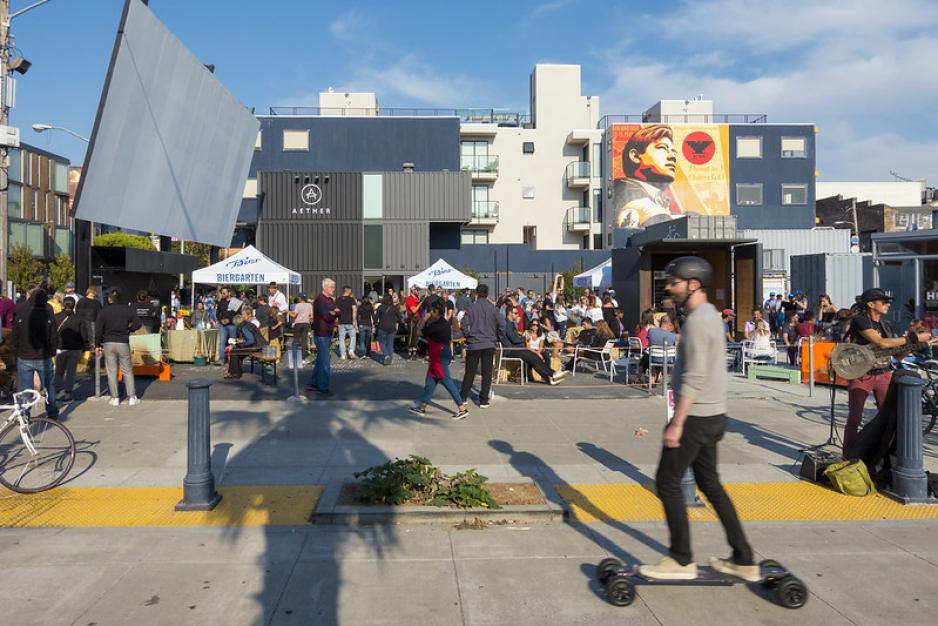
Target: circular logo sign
(311,194)
(698,147)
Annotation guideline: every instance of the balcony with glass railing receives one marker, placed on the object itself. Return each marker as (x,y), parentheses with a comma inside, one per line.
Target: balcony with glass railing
(481,166)
(484,213)
(578,174)
(578,219)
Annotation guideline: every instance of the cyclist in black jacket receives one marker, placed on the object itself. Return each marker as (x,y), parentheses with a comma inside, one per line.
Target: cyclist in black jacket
(33,341)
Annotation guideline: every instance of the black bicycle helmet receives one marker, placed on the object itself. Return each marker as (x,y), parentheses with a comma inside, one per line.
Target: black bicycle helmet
(688,267)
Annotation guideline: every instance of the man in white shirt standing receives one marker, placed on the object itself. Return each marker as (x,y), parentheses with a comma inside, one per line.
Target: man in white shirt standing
(276,297)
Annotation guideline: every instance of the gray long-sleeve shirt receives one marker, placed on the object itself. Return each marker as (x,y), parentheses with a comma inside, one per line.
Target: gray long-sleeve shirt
(700,368)
(482,325)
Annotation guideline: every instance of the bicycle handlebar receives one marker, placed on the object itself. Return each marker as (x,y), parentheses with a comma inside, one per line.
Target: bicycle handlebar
(23,400)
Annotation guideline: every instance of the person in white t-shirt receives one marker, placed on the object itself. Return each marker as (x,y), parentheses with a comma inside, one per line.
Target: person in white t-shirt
(276,298)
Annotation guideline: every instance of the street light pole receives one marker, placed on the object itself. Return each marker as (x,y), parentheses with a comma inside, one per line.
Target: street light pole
(4,152)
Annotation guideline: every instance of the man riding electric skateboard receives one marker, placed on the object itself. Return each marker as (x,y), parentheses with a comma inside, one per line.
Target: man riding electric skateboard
(690,439)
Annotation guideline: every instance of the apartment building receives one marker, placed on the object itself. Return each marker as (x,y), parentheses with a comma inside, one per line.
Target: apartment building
(537,177)
(38,202)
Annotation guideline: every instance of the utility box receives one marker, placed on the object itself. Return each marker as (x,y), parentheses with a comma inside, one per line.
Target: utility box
(9,137)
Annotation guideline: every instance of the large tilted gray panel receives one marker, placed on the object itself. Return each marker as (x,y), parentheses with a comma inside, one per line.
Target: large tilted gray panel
(172,146)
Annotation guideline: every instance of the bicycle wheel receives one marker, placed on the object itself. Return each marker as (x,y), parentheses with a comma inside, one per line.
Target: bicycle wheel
(25,472)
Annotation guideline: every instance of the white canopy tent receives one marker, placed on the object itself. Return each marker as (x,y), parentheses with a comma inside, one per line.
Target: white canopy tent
(442,274)
(249,266)
(597,277)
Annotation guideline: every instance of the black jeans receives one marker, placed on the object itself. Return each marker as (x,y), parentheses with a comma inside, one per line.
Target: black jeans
(698,449)
(301,337)
(534,361)
(487,357)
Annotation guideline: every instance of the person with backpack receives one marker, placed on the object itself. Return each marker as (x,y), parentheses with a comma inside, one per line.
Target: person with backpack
(73,337)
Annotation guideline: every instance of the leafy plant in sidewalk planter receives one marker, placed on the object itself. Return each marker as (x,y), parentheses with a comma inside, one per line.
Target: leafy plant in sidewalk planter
(415,480)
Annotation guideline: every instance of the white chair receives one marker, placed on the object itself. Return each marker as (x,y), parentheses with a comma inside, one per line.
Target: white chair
(633,356)
(604,354)
(752,354)
(660,357)
(502,359)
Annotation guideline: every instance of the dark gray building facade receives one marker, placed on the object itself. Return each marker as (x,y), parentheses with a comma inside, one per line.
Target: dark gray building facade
(358,227)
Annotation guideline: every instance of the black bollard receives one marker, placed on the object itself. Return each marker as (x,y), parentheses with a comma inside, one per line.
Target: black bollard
(909,481)
(198,487)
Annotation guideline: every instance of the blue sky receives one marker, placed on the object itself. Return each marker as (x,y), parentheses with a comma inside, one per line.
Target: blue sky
(862,70)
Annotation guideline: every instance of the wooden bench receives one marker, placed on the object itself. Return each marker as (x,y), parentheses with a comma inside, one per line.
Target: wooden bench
(266,363)
(773,371)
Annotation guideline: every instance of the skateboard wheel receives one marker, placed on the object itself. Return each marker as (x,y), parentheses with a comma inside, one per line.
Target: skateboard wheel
(791,593)
(771,571)
(606,569)
(620,591)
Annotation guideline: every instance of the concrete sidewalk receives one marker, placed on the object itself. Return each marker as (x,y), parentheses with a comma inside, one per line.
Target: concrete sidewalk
(858,572)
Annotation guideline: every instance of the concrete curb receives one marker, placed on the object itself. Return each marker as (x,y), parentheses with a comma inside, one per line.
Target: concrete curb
(327,511)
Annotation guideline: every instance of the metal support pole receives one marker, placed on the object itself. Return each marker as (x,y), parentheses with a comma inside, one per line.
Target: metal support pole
(811,367)
(909,481)
(294,359)
(199,484)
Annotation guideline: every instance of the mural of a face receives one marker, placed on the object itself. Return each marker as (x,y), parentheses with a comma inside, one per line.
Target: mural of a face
(658,163)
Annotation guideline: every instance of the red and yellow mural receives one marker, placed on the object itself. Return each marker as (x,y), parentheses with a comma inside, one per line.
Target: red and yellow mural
(663,171)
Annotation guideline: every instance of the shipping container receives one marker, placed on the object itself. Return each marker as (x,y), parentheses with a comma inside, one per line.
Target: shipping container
(841,276)
(428,196)
(798,242)
(309,196)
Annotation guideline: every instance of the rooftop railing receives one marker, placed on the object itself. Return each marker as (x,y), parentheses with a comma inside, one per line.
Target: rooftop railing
(684,118)
(478,116)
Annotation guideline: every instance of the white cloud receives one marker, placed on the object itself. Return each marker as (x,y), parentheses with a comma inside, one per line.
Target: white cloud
(863,78)
(346,24)
(550,7)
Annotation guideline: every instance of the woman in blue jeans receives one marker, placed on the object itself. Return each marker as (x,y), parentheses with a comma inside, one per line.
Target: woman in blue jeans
(386,318)
(438,333)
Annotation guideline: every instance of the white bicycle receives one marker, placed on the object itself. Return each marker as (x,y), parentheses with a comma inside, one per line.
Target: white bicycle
(36,453)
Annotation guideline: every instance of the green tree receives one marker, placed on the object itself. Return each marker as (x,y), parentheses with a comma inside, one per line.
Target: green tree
(24,270)
(61,271)
(124,240)
(201,250)
(571,293)
(468,271)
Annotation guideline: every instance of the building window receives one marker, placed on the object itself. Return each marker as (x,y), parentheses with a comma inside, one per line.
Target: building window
(773,260)
(15,172)
(597,241)
(794,194)
(250,188)
(474,157)
(794,148)
(15,200)
(527,147)
(27,234)
(527,193)
(61,211)
(529,235)
(374,246)
(598,206)
(61,178)
(28,168)
(596,159)
(474,235)
(748,194)
(34,214)
(296,140)
(749,147)
(62,241)
(258,143)
(372,196)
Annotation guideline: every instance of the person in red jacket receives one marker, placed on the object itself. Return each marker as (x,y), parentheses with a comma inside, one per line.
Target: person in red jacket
(438,333)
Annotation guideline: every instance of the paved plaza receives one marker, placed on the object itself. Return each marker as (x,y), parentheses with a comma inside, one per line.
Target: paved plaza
(585,436)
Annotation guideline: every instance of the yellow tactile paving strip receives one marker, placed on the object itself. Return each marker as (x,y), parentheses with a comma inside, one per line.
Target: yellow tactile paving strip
(789,501)
(155,506)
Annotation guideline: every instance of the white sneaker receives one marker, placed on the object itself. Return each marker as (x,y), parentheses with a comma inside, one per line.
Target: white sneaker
(560,375)
(134,401)
(114,401)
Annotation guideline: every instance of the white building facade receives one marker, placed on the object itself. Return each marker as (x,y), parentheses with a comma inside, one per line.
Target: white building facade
(538,181)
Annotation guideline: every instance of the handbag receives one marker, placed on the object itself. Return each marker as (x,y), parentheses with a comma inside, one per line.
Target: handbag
(375,346)
(851,478)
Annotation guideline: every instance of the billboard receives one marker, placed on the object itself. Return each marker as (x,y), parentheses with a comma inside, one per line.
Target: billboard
(171,146)
(662,171)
